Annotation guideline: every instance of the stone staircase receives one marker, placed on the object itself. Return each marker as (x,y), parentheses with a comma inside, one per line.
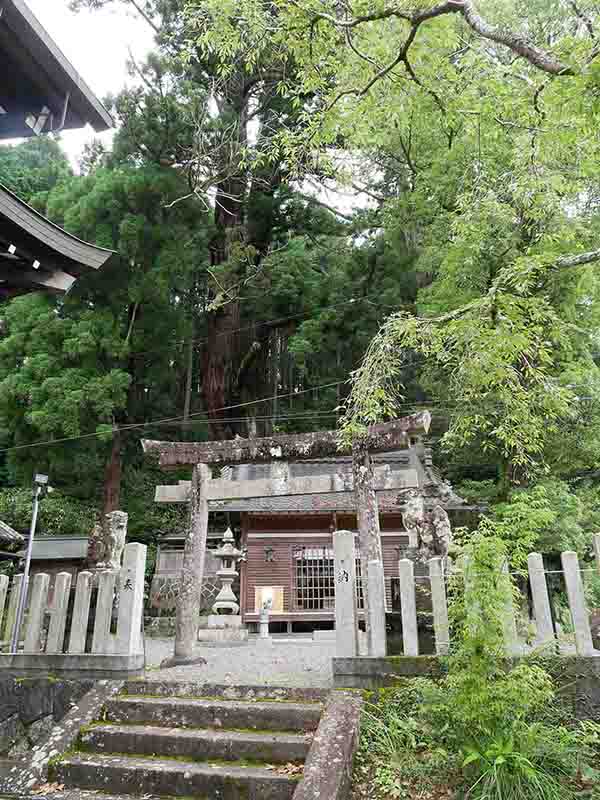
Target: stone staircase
(209,742)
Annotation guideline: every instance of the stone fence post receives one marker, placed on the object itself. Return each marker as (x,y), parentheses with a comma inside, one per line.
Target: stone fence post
(344,577)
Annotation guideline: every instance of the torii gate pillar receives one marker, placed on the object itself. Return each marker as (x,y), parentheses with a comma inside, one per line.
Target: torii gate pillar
(192,573)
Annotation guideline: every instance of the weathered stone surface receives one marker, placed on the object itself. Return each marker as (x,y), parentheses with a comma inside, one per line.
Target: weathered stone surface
(340,481)
(369,533)
(37,609)
(291,447)
(541,601)
(58,619)
(40,729)
(141,776)
(9,700)
(73,667)
(20,748)
(81,611)
(131,600)
(224,636)
(328,768)
(107,541)
(192,572)
(35,769)
(200,713)
(67,694)
(346,621)
(208,744)
(440,606)
(181,688)
(577,605)
(410,629)
(11,730)
(429,528)
(37,699)
(376,610)
(370,673)
(103,640)
(161,627)
(36,704)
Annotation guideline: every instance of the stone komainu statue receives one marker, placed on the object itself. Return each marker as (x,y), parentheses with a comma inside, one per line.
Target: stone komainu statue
(107,541)
(432,528)
(442,532)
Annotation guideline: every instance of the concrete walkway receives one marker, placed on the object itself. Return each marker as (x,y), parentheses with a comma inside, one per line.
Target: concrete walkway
(293,661)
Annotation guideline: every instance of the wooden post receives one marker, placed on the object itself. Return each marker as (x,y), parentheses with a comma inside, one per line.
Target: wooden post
(369,535)
(192,572)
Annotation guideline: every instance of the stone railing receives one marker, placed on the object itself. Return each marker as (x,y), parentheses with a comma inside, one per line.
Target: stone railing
(548,634)
(87,641)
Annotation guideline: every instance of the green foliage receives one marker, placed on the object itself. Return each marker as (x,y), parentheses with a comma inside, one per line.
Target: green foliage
(483,163)
(37,165)
(489,728)
(536,767)
(59,514)
(480,696)
(81,366)
(548,517)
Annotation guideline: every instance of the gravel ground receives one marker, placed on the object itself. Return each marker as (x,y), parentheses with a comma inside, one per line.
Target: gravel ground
(284,662)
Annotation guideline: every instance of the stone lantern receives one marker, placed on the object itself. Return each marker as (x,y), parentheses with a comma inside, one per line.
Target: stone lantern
(225,623)
(229,555)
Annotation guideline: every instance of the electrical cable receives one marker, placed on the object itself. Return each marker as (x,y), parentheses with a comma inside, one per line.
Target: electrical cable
(445,405)
(136,425)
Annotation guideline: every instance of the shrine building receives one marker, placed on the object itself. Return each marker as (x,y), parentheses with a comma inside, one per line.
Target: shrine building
(285,513)
(40,93)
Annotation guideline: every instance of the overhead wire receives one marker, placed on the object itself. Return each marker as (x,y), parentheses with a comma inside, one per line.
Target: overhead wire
(440,405)
(274,322)
(180,418)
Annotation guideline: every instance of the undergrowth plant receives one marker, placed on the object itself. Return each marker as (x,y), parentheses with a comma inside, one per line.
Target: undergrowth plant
(484,729)
(487,706)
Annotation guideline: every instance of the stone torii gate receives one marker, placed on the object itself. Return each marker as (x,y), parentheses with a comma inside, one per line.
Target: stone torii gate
(364,480)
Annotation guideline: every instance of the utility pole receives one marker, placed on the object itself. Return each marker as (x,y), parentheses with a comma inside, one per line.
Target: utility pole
(40,485)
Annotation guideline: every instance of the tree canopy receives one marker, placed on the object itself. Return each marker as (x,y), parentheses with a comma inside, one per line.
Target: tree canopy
(303,190)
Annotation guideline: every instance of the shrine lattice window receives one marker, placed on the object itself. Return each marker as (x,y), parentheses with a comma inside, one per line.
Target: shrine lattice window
(313,579)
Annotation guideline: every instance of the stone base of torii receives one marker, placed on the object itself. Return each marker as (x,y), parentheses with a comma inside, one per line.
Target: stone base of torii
(390,436)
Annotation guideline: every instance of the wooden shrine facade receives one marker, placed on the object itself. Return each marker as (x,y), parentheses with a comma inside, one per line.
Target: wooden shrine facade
(289,561)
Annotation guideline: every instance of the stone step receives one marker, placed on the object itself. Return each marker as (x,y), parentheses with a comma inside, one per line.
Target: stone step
(174,712)
(142,776)
(196,745)
(224,691)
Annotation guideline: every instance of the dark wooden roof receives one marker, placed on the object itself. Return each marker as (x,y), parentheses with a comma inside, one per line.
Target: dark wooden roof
(58,548)
(45,256)
(35,75)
